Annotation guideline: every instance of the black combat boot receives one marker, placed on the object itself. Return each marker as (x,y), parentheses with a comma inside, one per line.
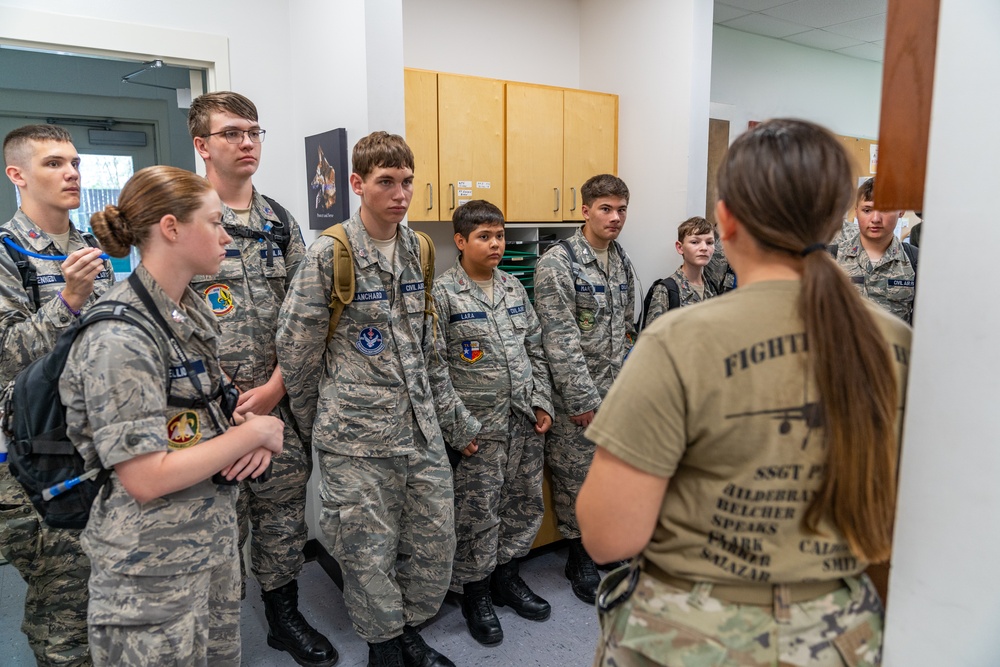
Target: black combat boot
(484,626)
(508,588)
(385,654)
(288,630)
(416,652)
(581,572)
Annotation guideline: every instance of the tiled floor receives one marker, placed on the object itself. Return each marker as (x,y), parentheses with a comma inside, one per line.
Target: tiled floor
(567,639)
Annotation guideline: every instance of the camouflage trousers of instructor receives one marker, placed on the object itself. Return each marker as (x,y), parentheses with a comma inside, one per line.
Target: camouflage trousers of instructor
(152,621)
(275,510)
(568,456)
(663,625)
(498,500)
(53,565)
(389,523)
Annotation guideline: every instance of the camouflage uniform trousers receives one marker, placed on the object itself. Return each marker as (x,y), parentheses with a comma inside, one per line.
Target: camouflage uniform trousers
(52,563)
(498,501)
(390,524)
(568,456)
(188,619)
(663,625)
(276,509)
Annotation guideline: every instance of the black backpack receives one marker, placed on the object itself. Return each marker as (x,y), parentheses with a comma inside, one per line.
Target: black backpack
(673,299)
(29,275)
(278,236)
(40,454)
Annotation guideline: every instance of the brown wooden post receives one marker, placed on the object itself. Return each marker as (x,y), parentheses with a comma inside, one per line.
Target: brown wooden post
(907,86)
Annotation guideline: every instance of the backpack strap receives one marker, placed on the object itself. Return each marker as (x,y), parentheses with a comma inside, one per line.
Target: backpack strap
(342,292)
(29,275)
(427,266)
(279,235)
(911,253)
(673,294)
(283,234)
(673,298)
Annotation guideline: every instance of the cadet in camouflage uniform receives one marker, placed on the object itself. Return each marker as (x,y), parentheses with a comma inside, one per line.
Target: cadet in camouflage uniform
(493,344)
(161,538)
(752,537)
(43,163)
(246,295)
(696,245)
(587,310)
(363,396)
(876,261)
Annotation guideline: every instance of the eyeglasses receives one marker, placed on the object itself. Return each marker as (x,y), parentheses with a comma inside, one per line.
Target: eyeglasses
(236,136)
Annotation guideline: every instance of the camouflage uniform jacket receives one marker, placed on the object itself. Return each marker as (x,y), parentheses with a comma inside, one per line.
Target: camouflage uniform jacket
(494,350)
(246,294)
(890,282)
(353,390)
(660,302)
(115,391)
(587,322)
(25,334)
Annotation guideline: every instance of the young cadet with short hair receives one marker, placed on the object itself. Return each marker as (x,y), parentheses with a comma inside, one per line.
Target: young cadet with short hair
(245,296)
(362,393)
(44,165)
(696,246)
(493,343)
(164,583)
(878,264)
(585,301)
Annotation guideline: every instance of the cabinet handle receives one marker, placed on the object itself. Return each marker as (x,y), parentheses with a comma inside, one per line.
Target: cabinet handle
(556,209)
(451,189)
(430,196)
(573,207)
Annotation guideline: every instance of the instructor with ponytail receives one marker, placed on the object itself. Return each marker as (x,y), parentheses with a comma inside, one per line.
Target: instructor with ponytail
(748,452)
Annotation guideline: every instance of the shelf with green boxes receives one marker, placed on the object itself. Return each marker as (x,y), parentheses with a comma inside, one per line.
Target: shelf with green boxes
(519,261)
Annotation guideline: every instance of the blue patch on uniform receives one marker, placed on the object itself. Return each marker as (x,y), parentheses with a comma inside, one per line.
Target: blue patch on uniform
(103,275)
(51,279)
(897,282)
(461,317)
(858,280)
(275,252)
(232,252)
(377,295)
(178,372)
(370,342)
(409,288)
(623,287)
(590,289)
(516,310)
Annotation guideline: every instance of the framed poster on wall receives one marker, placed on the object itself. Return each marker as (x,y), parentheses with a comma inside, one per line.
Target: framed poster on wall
(327,178)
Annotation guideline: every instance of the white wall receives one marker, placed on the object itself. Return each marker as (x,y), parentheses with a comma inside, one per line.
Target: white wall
(536,41)
(943,604)
(756,78)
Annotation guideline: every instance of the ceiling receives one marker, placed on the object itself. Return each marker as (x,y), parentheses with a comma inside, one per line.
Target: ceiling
(853,28)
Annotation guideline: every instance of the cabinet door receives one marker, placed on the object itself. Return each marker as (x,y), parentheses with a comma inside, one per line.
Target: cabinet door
(420,91)
(534,153)
(470,141)
(590,144)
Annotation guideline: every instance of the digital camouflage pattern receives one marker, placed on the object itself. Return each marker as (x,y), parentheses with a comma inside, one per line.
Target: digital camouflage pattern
(115,391)
(246,296)
(185,619)
(499,371)
(717,270)
(660,303)
(662,625)
(588,326)
(364,399)
(50,560)
(890,282)
(498,501)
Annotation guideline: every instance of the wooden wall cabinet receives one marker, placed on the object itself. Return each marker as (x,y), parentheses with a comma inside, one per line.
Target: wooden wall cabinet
(420,95)
(590,143)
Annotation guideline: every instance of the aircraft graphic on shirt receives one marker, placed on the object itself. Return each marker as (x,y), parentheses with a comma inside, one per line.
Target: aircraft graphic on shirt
(811,413)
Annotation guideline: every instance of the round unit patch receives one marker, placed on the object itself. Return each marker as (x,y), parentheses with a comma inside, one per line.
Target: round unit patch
(220,299)
(586,320)
(184,430)
(370,342)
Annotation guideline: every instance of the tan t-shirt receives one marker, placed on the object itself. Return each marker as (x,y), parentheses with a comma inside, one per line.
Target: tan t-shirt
(717,399)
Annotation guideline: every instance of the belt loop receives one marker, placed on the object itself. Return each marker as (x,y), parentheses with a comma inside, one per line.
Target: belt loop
(782,595)
(701,592)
